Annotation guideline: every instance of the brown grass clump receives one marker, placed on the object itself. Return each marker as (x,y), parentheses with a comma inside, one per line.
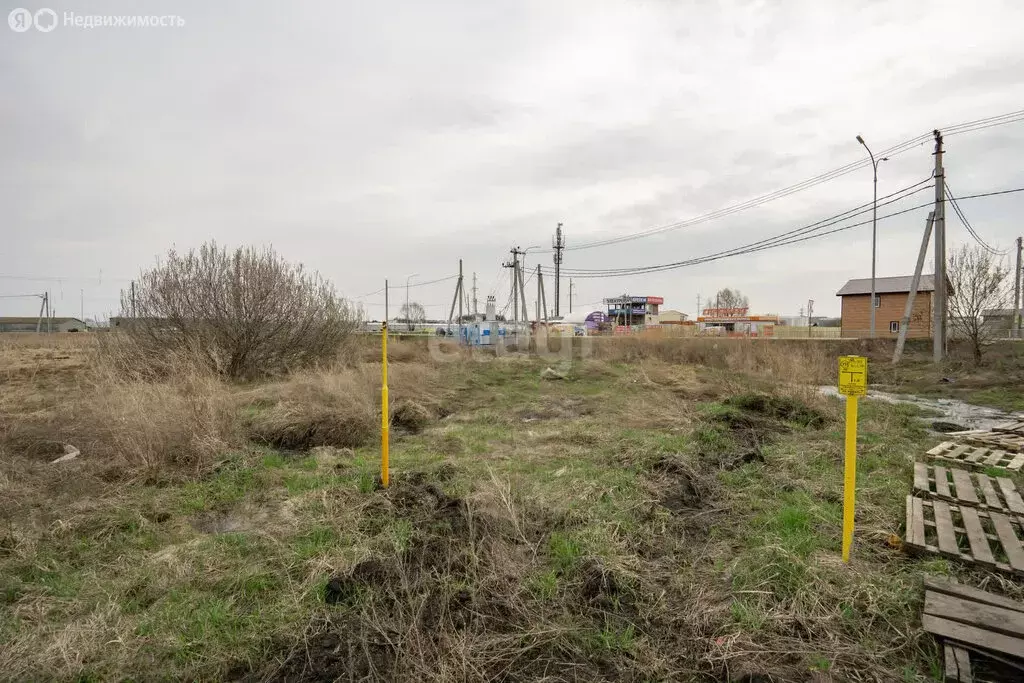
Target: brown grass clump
(132,427)
(341,407)
(793,361)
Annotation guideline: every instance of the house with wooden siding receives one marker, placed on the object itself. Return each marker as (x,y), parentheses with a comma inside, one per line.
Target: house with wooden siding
(890,301)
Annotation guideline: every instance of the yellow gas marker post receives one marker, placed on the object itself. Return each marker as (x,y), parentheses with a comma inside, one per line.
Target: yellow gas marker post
(853,383)
(384,426)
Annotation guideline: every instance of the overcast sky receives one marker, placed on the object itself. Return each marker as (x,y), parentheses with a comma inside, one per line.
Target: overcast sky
(371,140)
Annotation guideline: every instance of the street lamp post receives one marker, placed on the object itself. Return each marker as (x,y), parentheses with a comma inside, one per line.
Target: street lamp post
(874,227)
(408,313)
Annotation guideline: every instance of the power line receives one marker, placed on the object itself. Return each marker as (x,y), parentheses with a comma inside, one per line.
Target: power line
(906,145)
(769,243)
(896,196)
(967,224)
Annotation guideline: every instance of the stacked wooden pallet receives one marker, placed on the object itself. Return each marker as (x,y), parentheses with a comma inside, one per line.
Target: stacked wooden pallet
(977,456)
(1007,441)
(982,633)
(975,517)
(1015,426)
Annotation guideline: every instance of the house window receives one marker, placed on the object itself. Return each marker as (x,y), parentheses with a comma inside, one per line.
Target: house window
(894,326)
(878,300)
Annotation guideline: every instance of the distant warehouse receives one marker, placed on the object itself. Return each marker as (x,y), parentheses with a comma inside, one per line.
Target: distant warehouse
(31,324)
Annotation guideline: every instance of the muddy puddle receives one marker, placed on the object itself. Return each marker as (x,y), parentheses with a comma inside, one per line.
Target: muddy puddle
(944,414)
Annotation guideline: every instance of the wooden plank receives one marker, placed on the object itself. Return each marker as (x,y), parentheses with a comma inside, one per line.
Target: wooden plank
(963,664)
(957,452)
(964,486)
(918,524)
(987,490)
(973,635)
(909,537)
(1008,539)
(1013,499)
(1016,463)
(993,460)
(921,476)
(944,528)
(972,593)
(941,483)
(996,619)
(980,549)
(941,448)
(952,666)
(977,455)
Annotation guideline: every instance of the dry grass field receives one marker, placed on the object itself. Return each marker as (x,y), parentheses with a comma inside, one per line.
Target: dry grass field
(669,510)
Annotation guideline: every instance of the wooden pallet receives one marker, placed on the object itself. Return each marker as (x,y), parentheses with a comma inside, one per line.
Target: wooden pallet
(1016,426)
(1007,441)
(982,633)
(964,533)
(977,456)
(964,488)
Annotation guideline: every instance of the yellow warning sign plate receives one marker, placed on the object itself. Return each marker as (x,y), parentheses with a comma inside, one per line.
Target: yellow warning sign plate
(853,375)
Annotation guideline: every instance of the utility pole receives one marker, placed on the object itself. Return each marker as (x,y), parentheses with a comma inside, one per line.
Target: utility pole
(914,282)
(542,302)
(476,312)
(42,304)
(559,245)
(698,308)
(939,314)
(457,297)
(810,313)
(1016,288)
(385,303)
(570,295)
(514,265)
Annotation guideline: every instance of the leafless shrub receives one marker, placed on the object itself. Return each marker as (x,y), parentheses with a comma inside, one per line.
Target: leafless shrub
(980,284)
(244,313)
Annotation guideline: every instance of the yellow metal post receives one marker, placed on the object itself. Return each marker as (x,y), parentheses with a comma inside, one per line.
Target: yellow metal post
(853,382)
(384,413)
(849,475)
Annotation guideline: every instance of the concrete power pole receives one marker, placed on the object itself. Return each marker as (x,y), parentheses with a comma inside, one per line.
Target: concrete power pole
(810,314)
(570,294)
(475,311)
(939,314)
(559,245)
(1017,313)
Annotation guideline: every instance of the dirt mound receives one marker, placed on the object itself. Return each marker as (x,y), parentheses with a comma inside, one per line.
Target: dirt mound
(735,434)
(681,489)
(778,408)
(411,416)
(295,427)
(450,597)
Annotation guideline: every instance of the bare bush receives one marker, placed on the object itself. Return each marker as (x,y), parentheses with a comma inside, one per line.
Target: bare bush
(980,283)
(244,313)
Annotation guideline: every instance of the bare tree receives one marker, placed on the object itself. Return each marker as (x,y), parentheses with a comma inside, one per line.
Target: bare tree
(244,313)
(414,313)
(980,283)
(731,298)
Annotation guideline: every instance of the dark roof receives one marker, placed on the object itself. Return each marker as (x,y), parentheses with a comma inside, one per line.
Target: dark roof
(14,320)
(887,285)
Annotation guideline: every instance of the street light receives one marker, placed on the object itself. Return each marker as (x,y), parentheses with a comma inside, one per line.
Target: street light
(408,313)
(874,227)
